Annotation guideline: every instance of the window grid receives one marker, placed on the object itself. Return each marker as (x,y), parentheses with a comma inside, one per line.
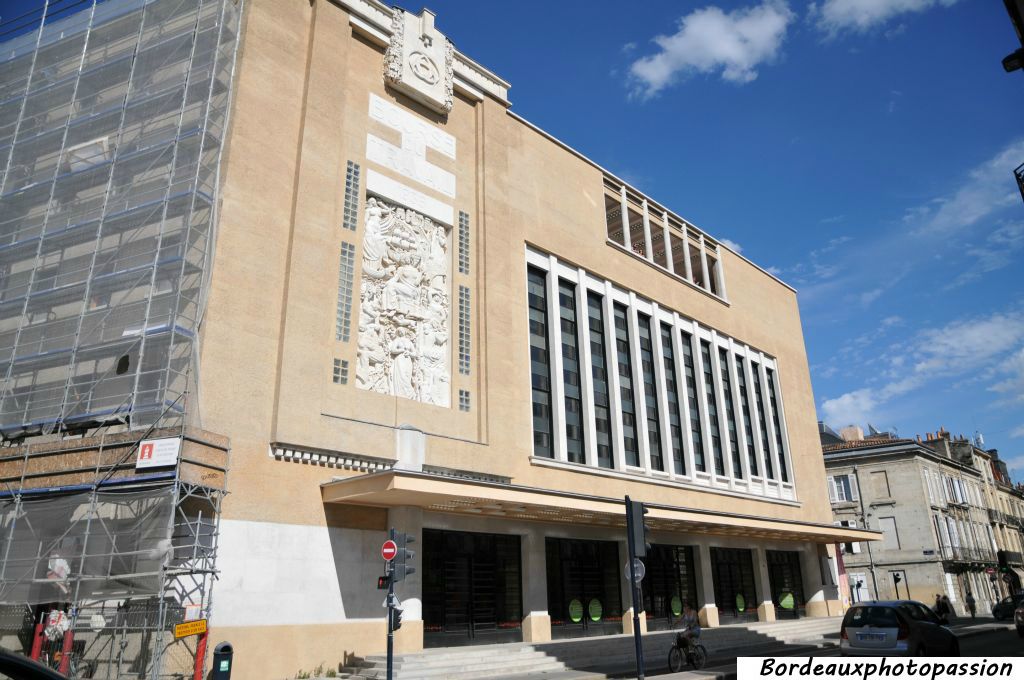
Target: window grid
(714,428)
(650,392)
(463,243)
(464,330)
(783,471)
(464,400)
(748,426)
(730,413)
(720,400)
(672,394)
(350,211)
(340,376)
(540,363)
(346,270)
(625,364)
(575,449)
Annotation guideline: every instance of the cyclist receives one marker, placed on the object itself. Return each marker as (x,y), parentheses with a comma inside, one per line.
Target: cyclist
(690,625)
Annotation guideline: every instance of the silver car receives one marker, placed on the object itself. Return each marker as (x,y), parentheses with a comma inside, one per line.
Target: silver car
(895,628)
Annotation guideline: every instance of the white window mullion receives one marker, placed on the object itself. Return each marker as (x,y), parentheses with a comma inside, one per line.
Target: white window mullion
(555,340)
(614,387)
(723,415)
(688,265)
(648,246)
(586,369)
(772,446)
(684,400)
(626,235)
(720,273)
(664,425)
(669,263)
(737,408)
(755,413)
(639,397)
(786,452)
(704,264)
(702,401)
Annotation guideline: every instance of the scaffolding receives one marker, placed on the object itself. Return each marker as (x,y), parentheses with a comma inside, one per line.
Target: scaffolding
(112,120)
(111,127)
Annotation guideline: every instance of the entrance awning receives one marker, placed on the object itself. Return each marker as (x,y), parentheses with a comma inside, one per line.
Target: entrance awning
(486,499)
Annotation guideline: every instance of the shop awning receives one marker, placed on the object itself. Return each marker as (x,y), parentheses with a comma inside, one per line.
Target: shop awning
(436,493)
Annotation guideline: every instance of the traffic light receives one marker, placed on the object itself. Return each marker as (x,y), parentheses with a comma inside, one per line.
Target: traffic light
(399,567)
(396,618)
(635,524)
(383,582)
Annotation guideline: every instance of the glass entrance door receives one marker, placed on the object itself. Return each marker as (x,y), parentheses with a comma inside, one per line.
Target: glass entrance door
(735,595)
(786,582)
(584,593)
(472,588)
(669,584)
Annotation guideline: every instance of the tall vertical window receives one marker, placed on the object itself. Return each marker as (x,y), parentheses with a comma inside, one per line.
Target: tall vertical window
(464,330)
(346,270)
(650,392)
(672,397)
(575,451)
(748,424)
(350,209)
(599,374)
(540,363)
(713,424)
(759,395)
(783,470)
(696,432)
(463,243)
(730,414)
(625,363)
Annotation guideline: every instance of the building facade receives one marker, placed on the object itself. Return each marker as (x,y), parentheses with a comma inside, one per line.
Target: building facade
(417,310)
(933,502)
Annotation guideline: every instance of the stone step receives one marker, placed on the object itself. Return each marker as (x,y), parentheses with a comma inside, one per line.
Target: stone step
(511,660)
(475,670)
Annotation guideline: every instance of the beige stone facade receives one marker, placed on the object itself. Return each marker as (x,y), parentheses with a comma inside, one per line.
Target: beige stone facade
(286,339)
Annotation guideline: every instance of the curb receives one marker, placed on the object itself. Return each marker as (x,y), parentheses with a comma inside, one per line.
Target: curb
(982,631)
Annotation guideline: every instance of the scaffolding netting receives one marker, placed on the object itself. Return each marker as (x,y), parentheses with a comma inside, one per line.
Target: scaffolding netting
(85,546)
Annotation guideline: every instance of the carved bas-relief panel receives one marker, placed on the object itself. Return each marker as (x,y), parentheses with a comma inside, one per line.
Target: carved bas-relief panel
(419,60)
(405,306)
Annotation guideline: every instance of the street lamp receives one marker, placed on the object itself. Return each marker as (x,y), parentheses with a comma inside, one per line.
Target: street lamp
(1015,60)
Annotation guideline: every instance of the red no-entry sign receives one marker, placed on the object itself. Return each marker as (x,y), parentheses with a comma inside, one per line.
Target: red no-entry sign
(388,550)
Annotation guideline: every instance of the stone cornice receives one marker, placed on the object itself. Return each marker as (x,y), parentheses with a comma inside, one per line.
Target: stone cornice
(373,19)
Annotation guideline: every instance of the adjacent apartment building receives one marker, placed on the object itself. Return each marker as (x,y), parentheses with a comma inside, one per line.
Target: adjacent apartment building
(341,257)
(951,522)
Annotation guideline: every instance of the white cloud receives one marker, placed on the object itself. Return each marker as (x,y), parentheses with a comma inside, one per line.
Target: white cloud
(709,40)
(989,187)
(1017,432)
(836,16)
(986,346)
(997,252)
(731,245)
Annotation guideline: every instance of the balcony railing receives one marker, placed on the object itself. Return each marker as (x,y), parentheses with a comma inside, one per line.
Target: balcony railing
(957,553)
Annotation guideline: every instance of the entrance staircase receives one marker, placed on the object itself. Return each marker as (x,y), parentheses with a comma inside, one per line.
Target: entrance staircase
(609,654)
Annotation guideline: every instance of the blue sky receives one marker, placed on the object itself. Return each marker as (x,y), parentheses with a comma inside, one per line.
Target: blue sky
(860,149)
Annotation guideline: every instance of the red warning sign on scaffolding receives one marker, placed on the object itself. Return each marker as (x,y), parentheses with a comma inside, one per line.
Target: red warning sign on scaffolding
(158,452)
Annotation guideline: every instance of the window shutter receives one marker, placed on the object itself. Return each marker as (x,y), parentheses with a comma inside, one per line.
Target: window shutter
(831,489)
(854,492)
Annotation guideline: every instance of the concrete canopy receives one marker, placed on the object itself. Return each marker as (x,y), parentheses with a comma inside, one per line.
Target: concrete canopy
(474,497)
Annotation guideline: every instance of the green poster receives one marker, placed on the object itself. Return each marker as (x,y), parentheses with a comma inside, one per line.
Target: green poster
(576,611)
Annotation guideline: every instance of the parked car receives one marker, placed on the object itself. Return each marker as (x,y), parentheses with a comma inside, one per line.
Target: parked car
(895,628)
(18,667)
(1018,618)
(1003,610)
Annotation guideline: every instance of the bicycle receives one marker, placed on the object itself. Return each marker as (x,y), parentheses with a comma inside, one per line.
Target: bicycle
(689,649)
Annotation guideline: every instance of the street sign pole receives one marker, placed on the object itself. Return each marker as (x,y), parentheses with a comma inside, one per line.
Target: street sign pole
(634,588)
(391,613)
